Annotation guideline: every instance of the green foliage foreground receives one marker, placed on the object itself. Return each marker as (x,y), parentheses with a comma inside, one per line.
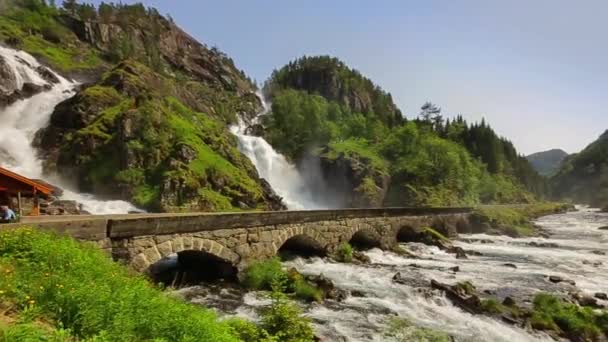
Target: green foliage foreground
(58,289)
(577,323)
(265,275)
(78,288)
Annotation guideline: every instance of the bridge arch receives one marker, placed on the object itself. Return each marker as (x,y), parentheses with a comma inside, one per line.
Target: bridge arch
(407,233)
(365,237)
(300,241)
(151,255)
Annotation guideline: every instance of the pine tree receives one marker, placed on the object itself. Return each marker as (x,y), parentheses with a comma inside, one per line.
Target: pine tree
(71,6)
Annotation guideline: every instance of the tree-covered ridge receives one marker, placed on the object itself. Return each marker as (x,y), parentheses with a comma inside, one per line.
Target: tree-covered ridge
(497,153)
(583,177)
(331,78)
(547,163)
(426,161)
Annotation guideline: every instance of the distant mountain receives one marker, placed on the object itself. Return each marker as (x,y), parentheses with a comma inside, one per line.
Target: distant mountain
(583,177)
(547,162)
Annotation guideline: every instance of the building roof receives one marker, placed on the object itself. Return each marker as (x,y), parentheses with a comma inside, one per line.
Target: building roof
(24,182)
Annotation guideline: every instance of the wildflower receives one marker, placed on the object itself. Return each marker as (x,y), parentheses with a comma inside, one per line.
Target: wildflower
(1,292)
(31,302)
(42,287)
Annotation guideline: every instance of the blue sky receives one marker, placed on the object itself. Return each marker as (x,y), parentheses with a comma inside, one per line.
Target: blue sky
(536,70)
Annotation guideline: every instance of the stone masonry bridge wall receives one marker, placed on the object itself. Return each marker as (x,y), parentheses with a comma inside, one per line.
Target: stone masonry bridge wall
(239,238)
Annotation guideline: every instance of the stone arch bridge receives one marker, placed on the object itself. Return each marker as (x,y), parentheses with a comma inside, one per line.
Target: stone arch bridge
(239,238)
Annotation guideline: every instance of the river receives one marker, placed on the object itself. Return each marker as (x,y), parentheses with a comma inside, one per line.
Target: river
(573,251)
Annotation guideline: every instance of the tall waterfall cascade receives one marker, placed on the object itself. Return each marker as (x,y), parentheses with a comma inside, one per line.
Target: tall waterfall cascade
(284,177)
(20,121)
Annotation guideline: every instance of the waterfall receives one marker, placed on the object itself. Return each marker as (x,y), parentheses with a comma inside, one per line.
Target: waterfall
(283,176)
(20,121)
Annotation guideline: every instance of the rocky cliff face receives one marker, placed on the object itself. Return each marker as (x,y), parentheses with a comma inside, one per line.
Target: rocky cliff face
(354,179)
(131,135)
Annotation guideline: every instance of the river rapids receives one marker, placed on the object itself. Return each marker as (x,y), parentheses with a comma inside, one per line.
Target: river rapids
(515,267)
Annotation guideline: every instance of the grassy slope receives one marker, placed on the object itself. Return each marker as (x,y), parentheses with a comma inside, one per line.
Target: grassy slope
(29,29)
(517,219)
(76,288)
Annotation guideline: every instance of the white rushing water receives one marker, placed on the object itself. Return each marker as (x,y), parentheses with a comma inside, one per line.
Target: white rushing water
(515,267)
(283,177)
(20,121)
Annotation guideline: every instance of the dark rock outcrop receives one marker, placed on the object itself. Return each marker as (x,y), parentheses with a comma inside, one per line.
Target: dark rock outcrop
(359,184)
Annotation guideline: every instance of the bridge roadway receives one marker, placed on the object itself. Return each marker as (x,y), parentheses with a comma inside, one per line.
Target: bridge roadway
(238,238)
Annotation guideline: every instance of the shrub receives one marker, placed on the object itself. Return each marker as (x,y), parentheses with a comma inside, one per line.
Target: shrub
(262,274)
(78,288)
(304,290)
(550,312)
(345,252)
(492,306)
(283,320)
(466,287)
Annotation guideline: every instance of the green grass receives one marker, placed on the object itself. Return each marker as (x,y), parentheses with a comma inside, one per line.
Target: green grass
(467,287)
(79,289)
(306,291)
(402,330)
(517,219)
(265,275)
(552,313)
(69,55)
(261,275)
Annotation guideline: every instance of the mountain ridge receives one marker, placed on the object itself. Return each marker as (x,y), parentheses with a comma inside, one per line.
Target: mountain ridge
(547,162)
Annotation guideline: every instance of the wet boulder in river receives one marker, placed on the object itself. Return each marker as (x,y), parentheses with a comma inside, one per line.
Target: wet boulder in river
(603,228)
(557,279)
(601,295)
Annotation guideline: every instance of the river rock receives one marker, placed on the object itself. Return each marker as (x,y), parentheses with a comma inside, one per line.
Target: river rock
(469,303)
(361,258)
(357,293)
(594,263)
(543,244)
(603,228)
(508,301)
(510,265)
(460,253)
(454,269)
(586,300)
(598,252)
(557,279)
(47,75)
(472,252)
(328,287)
(601,295)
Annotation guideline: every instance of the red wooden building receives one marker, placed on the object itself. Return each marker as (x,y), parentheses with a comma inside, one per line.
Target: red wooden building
(14,188)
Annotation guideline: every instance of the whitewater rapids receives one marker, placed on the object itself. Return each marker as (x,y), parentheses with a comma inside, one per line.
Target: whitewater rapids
(574,251)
